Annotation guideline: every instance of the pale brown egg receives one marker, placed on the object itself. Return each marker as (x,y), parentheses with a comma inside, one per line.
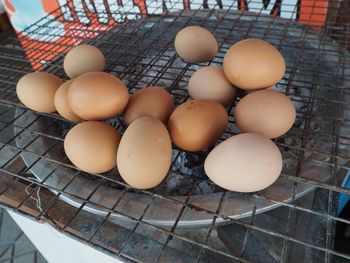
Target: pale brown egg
(246,162)
(82,59)
(253,64)
(268,112)
(144,154)
(150,101)
(197,124)
(92,146)
(61,103)
(37,91)
(97,96)
(195,44)
(211,83)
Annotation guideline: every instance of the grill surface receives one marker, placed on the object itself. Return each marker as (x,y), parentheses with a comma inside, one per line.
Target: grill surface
(141,67)
(315,151)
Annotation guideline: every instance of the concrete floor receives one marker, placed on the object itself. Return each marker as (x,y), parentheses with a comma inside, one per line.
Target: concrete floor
(15,247)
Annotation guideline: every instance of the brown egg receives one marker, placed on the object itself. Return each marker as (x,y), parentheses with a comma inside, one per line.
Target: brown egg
(92,146)
(195,44)
(197,124)
(267,112)
(61,103)
(82,59)
(37,91)
(246,162)
(97,96)
(144,154)
(253,64)
(150,101)
(211,83)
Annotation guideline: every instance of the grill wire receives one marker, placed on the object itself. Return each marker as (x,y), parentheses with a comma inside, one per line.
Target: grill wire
(138,239)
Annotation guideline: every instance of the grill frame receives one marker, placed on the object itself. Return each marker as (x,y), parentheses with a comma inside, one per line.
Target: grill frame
(19,177)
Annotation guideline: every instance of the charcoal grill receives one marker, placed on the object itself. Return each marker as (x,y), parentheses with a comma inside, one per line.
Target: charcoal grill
(141,52)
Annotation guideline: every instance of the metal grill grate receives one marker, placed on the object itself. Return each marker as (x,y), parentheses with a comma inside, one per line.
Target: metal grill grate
(180,220)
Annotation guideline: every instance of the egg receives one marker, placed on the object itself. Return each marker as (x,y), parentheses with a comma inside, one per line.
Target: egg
(150,101)
(97,96)
(195,44)
(61,103)
(246,162)
(197,124)
(144,154)
(92,146)
(253,64)
(82,59)
(211,83)
(37,90)
(268,112)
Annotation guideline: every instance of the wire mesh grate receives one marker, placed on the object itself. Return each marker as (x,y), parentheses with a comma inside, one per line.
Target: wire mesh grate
(186,218)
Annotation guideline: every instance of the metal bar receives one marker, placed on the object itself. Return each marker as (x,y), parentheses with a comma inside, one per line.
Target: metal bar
(108,215)
(127,239)
(82,206)
(53,200)
(211,227)
(237,222)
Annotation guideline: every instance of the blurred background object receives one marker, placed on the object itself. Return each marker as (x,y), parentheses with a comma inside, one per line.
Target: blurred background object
(4,20)
(77,19)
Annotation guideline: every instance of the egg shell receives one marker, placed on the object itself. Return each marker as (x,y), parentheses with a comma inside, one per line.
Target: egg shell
(253,64)
(144,154)
(246,162)
(197,124)
(195,44)
(92,146)
(268,112)
(97,96)
(82,59)
(61,103)
(37,90)
(211,83)
(150,101)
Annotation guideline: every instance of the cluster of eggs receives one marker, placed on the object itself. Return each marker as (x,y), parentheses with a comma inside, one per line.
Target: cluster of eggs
(246,162)
(249,161)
